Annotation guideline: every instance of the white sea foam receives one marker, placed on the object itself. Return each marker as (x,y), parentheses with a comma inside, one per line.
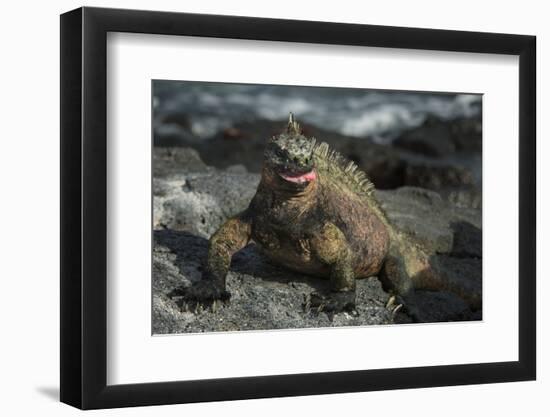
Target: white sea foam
(353,112)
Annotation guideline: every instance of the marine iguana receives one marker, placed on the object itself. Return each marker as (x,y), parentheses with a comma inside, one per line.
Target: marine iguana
(314,212)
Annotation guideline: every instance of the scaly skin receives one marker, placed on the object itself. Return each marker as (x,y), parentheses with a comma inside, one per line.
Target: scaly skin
(314,213)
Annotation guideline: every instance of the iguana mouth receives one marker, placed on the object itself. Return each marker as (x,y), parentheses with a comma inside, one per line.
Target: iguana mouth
(299,178)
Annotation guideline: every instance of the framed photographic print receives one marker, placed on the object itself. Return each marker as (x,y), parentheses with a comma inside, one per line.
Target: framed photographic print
(257,208)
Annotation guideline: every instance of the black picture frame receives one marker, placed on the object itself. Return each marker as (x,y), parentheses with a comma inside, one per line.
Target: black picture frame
(84,207)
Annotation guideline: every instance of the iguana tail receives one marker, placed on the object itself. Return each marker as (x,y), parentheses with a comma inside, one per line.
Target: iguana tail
(408,266)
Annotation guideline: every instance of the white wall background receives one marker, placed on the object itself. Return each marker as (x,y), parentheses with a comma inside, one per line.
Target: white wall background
(29,176)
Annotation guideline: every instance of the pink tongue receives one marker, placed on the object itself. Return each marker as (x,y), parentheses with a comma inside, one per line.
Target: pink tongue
(308,176)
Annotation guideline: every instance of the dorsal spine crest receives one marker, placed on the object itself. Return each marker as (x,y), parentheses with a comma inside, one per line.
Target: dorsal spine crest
(293,127)
(343,169)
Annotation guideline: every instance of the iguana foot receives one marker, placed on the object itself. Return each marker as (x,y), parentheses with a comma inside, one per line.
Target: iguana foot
(203,295)
(393,307)
(335,302)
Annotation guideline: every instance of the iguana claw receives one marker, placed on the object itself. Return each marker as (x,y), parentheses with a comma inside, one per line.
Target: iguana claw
(204,295)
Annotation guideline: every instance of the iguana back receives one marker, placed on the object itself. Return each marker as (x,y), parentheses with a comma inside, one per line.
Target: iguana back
(404,257)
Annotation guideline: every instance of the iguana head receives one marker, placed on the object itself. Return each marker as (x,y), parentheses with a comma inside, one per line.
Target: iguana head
(290,155)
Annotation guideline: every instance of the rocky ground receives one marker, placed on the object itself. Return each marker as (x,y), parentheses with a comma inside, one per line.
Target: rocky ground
(192,198)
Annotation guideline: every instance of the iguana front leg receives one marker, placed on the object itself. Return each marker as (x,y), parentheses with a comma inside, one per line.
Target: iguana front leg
(331,248)
(231,237)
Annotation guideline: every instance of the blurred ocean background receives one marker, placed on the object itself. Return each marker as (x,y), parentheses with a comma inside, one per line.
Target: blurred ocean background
(379,114)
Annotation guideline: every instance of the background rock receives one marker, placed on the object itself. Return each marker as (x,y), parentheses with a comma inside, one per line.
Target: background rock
(439,225)
(440,138)
(190,196)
